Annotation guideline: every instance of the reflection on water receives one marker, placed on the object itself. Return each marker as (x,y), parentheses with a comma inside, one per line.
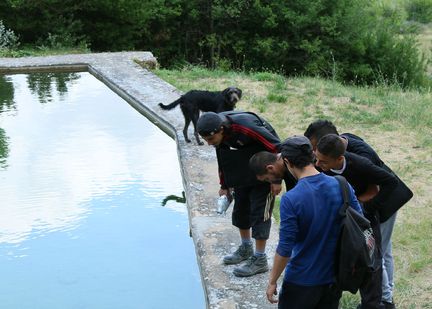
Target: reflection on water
(44,85)
(4,149)
(6,94)
(80,219)
(7,104)
(172,197)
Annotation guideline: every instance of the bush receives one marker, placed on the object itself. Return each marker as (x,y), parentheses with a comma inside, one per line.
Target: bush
(379,55)
(8,39)
(419,10)
(352,41)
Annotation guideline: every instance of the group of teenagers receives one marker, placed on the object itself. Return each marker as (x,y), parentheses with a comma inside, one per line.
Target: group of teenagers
(253,162)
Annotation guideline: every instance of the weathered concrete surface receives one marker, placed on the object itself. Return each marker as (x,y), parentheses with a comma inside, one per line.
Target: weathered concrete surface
(213,235)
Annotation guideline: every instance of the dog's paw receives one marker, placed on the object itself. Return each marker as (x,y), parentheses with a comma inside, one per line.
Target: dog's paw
(200,143)
(187,140)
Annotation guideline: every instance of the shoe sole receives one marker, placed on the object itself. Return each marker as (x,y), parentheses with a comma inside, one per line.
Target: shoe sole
(240,274)
(235,262)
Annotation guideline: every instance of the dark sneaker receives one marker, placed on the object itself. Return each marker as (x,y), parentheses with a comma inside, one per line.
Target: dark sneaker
(254,265)
(383,305)
(387,305)
(242,253)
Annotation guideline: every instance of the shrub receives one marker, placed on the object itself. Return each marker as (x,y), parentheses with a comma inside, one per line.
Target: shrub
(367,48)
(420,10)
(346,40)
(8,39)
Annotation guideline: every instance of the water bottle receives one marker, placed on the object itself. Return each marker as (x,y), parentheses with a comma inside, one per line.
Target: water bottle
(223,203)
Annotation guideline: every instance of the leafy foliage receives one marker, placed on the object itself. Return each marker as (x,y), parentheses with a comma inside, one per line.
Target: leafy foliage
(346,40)
(8,38)
(420,10)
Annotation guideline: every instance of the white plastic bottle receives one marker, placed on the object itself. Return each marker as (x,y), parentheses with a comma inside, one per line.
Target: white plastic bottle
(222,204)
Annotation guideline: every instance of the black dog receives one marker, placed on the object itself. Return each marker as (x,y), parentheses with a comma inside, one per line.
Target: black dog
(194,101)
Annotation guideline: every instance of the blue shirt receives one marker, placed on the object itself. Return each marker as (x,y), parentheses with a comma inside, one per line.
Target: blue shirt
(309,229)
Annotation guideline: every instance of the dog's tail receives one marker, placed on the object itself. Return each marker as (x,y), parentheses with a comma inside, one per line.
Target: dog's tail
(171,105)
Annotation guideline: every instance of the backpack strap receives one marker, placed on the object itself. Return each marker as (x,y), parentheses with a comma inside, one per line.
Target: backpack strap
(343,183)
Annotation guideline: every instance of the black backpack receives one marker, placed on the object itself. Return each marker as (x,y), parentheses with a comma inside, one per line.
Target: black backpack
(356,247)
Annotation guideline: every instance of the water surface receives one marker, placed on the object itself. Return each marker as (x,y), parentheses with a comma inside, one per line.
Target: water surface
(82,180)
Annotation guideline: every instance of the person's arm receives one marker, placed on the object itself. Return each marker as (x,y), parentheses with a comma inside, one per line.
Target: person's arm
(370,193)
(354,203)
(287,235)
(372,174)
(256,134)
(279,265)
(223,187)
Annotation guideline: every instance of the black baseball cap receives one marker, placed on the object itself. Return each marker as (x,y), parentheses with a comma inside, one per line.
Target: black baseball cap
(210,123)
(295,146)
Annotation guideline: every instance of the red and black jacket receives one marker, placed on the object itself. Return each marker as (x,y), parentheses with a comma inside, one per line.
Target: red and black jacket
(245,134)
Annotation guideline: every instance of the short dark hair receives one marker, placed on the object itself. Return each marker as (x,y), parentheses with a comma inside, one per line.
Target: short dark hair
(331,145)
(319,128)
(298,151)
(260,160)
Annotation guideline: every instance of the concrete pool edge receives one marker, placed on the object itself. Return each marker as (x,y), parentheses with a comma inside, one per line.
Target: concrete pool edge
(213,235)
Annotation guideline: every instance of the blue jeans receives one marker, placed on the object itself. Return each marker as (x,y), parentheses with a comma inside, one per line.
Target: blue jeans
(386,245)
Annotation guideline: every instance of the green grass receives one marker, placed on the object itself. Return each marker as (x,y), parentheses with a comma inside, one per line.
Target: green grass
(386,106)
(397,123)
(27,51)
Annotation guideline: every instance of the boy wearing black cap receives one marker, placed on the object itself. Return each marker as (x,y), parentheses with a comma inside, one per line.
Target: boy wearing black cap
(237,136)
(309,229)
